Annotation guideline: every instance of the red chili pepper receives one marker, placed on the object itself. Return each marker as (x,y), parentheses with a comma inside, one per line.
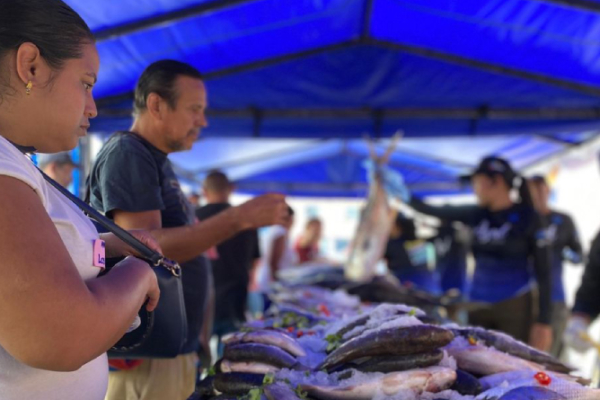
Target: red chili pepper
(299,334)
(543,379)
(290,329)
(310,333)
(323,309)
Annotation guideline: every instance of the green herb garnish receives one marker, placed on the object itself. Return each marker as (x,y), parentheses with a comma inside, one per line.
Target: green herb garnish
(300,393)
(268,379)
(334,341)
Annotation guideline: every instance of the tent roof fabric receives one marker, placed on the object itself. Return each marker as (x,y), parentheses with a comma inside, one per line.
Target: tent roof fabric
(333,167)
(309,77)
(307,64)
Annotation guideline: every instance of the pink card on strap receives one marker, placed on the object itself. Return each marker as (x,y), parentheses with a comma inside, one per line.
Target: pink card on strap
(99,254)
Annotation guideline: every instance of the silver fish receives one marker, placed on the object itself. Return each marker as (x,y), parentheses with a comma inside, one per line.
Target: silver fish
(481,360)
(270,337)
(433,379)
(392,341)
(508,344)
(237,383)
(374,227)
(249,367)
(262,353)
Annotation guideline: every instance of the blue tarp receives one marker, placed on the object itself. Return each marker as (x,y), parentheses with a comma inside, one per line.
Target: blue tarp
(338,69)
(333,167)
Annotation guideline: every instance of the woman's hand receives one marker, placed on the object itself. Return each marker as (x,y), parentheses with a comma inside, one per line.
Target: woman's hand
(152,291)
(115,247)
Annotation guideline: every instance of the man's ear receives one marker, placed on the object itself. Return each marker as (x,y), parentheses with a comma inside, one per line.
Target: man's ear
(155,105)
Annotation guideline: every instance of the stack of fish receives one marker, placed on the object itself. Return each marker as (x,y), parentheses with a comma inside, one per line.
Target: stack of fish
(325,345)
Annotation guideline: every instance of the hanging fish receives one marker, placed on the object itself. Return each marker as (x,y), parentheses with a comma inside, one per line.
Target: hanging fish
(370,240)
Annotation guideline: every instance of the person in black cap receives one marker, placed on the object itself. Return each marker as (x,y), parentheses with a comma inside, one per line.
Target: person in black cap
(510,253)
(58,166)
(564,239)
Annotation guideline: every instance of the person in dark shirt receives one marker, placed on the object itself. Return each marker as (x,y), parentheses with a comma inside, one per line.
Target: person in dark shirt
(132,181)
(231,261)
(407,259)
(587,302)
(451,258)
(565,244)
(510,253)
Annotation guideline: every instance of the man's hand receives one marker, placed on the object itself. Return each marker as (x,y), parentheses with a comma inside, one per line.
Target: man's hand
(115,247)
(540,336)
(265,210)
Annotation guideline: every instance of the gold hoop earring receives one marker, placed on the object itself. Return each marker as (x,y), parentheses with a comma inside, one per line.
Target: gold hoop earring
(28,88)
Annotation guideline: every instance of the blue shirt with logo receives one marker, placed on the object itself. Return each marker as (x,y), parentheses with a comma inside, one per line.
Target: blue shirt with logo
(510,249)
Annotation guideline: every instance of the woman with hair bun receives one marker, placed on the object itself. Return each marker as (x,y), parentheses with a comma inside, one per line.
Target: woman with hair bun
(510,250)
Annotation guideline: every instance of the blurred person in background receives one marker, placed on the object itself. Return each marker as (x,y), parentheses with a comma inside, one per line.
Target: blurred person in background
(133,182)
(307,245)
(409,258)
(510,251)
(231,260)
(564,240)
(451,250)
(587,303)
(277,254)
(194,199)
(58,166)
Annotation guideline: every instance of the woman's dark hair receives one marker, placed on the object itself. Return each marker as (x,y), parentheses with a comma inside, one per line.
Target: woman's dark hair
(159,77)
(53,26)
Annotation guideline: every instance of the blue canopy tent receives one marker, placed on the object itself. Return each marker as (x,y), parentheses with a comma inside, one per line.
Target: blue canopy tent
(333,167)
(337,69)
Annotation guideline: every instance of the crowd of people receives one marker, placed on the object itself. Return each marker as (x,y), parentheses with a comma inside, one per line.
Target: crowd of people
(60,316)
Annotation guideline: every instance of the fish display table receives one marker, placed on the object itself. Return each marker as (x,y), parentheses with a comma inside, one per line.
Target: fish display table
(325,344)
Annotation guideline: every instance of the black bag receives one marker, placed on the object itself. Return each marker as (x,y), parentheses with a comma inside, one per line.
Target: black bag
(163,332)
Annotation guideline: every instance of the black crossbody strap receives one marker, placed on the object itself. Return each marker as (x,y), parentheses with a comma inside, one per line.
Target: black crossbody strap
(145,252)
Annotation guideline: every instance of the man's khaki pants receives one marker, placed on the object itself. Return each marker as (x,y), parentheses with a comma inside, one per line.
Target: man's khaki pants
(156,379)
